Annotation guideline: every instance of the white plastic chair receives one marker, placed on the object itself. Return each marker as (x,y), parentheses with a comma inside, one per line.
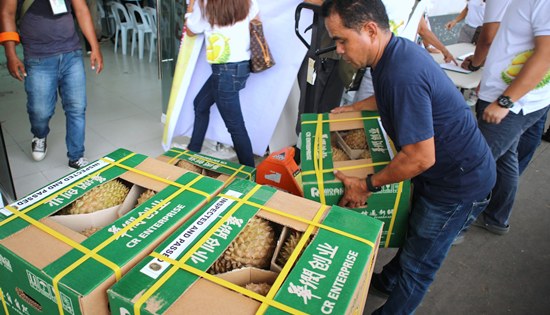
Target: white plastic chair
(122,27)
(141,27)
(151,15)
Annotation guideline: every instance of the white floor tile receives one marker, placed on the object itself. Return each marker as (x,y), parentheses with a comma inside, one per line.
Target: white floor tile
(27,184)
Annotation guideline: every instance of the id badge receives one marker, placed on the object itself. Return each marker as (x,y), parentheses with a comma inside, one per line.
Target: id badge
(311,73)
(58,6)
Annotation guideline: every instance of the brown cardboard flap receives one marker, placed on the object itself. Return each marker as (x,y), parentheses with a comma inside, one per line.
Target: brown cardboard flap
(218,299)
(348,124)
(360,172)
(38,247)
(160,169)
(245,276)
(297,206)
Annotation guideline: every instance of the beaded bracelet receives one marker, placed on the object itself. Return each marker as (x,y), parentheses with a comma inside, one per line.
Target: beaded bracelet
(9,36)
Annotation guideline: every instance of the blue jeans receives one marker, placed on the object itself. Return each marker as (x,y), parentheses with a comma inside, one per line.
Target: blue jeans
(433,226)
(222,88)
(45,77)
(503,140)
(530,141)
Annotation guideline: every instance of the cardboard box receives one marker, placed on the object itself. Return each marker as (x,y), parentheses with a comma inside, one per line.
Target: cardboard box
(330,274)
(48,268)
(213,167)
(322,132)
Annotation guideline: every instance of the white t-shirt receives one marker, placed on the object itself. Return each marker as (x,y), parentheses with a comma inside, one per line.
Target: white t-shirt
(224,44)
(476,10)
(494,10)
(512,46)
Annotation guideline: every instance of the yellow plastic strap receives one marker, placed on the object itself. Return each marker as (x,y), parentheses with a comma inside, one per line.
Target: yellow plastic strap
(186,152)
(226,284)
(166,181)
(318,158)
(300,219)
(346,168)
(53,196)
(291,260)
(149,292)
(394,214)
(4,302)
(339,120)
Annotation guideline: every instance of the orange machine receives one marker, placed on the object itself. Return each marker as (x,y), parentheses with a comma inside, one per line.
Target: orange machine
(281,171)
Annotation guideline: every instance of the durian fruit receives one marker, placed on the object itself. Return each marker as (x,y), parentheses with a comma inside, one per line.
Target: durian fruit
(145,196)
(365,155)
(89,231)
(253,247)
(288,247)
(260,288)
(189,166)
(339,154)
(356,139)
(104,196)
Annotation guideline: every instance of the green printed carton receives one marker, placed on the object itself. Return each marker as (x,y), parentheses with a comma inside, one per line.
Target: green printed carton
(207,165)
(356,144)
(47,266)
(329,271)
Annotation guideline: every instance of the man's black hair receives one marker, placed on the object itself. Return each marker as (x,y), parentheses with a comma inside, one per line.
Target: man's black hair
(355,13)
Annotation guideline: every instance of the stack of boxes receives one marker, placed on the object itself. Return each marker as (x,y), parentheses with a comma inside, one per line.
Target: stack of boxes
(154,258)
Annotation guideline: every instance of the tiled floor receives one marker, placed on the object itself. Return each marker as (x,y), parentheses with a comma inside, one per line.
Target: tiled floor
(124,110)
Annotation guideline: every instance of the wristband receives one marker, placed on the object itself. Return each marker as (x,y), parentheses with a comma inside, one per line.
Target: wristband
(471,66)
(9,36)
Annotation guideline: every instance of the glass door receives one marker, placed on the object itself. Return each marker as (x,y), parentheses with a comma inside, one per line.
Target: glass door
(170,24)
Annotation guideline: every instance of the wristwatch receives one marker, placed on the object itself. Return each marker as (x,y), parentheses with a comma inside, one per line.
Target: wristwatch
(505,101)
(370,187)
(471,66)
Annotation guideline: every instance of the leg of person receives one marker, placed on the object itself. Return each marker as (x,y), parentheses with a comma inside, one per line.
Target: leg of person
(41,87)
(202,103)
(466,34)
(530,141)
(546,135)
(503,139)
(72,89)
(433,225)
(232,79)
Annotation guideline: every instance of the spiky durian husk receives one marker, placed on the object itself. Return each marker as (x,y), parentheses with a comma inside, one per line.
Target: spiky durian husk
(106,195)
(365,155)
(356,139)
(253,247)
(145,196)
(89,231)
(339,154)
(189,166)
(260,288)
(288,247)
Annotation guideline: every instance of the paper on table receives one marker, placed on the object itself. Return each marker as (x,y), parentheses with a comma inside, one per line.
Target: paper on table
(452,67)
(462,57)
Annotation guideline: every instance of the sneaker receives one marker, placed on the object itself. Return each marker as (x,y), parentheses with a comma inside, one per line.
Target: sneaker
(39,148)
(495,229)
(78,163)
(377,288)
(472,99)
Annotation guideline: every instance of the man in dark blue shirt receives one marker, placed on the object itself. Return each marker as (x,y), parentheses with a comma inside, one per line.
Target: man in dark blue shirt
(52,65)
(439,147)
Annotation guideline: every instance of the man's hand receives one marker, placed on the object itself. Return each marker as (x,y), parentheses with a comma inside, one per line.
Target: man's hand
(355,191)
(16,68)
(96,61)
(343,109)
(494,113)
(449,25)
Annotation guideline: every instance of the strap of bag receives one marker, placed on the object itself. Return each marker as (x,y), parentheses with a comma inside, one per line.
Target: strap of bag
(24,8)
(262,45)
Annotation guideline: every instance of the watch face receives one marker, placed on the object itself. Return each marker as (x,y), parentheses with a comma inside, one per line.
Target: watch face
(504,101)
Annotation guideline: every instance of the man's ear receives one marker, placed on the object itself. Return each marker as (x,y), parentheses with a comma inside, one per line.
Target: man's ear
(371,29)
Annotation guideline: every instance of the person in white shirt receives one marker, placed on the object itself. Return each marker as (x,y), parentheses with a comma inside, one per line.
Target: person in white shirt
(472,15)
(513,95)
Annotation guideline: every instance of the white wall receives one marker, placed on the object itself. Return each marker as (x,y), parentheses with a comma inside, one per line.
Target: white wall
(443,7)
